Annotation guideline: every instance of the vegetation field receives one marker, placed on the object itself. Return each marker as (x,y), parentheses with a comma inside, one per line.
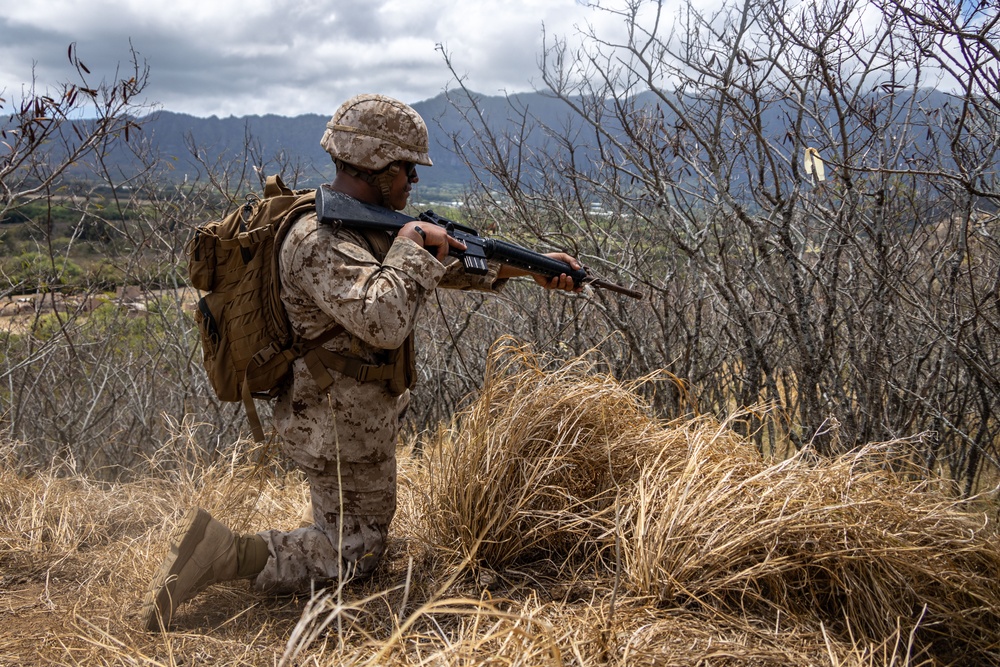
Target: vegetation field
(787,452)
(555,522)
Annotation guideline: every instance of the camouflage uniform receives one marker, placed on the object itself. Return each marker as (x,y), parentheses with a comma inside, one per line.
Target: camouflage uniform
(333,276)
(342,437)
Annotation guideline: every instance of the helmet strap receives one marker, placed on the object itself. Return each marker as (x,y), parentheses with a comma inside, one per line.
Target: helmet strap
(380,180)
(384,180)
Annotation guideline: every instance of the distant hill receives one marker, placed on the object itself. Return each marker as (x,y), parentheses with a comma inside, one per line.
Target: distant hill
(223,140)
(172,134)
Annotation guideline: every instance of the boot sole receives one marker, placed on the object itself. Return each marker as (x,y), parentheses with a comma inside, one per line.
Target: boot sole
(158,604)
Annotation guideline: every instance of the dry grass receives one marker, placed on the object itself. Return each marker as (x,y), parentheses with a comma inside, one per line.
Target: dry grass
(554,523)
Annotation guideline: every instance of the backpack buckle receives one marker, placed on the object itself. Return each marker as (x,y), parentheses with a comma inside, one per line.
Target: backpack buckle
(265,355)
(254,236)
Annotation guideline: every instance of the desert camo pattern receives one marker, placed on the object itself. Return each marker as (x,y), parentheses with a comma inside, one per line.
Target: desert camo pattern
(372,131)
(344,440)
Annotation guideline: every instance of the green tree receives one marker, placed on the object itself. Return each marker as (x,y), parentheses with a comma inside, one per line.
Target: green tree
(34,271)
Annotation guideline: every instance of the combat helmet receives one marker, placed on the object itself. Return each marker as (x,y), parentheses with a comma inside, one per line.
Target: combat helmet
(376,133)
(373,131)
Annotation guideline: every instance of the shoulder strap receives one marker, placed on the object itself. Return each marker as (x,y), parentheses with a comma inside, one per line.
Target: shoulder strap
(274,186)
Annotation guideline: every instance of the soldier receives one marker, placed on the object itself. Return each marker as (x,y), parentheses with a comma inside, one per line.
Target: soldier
(366,289)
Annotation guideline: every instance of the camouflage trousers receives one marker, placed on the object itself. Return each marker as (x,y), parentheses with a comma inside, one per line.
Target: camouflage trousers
(345,443)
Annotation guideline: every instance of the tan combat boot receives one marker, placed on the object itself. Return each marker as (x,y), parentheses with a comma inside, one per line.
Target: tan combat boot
(202,552)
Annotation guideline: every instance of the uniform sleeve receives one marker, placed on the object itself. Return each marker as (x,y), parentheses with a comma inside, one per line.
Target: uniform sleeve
(455,277)
(376,302)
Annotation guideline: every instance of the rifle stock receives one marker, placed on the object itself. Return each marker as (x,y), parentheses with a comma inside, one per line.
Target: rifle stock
(334,207)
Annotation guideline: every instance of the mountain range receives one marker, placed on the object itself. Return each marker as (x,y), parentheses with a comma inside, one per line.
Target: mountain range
(296,139)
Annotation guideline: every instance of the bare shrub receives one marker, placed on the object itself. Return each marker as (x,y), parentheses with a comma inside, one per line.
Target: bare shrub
(106,356)
(678,163)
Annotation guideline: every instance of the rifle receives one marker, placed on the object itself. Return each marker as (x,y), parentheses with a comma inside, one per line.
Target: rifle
(334,207)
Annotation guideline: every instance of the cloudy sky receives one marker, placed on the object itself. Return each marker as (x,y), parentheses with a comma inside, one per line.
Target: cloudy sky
(222,57)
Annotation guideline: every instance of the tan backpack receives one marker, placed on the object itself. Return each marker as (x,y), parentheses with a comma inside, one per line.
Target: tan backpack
(246,338)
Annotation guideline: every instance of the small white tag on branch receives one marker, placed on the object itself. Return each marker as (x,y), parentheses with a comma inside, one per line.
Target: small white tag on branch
(814,164)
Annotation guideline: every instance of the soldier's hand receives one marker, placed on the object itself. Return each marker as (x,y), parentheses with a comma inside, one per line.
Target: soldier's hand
(434,238)
(562,281)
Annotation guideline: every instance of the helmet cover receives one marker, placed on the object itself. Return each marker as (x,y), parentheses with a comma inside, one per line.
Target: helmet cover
(373,131)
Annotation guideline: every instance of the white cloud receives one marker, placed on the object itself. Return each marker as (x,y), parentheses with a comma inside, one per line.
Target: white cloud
(224,57)
(255,56)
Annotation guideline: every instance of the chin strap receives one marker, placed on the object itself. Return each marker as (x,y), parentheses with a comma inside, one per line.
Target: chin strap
(380,180)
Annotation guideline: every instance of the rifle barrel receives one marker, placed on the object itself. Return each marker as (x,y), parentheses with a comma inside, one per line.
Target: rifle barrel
(604,284)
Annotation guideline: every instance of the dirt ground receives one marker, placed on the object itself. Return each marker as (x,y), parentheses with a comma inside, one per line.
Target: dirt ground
(81,609)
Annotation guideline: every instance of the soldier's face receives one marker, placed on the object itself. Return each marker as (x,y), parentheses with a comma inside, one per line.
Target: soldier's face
(399,190)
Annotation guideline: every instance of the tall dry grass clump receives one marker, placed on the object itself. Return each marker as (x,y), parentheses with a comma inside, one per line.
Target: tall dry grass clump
(566,466)
(532,468)
(854,543)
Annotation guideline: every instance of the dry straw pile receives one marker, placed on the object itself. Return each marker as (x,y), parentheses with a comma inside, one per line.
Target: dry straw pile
(555,522)
(566,467)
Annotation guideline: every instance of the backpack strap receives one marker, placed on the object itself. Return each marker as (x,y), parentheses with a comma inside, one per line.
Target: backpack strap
(304,349)
(321,361)
(399,372)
